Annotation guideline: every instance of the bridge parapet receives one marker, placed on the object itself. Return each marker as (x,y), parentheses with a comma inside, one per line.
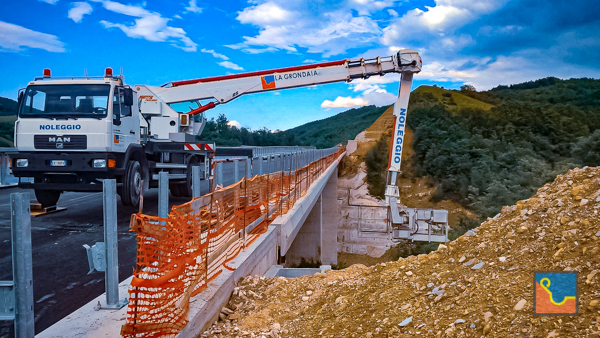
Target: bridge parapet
(180,255)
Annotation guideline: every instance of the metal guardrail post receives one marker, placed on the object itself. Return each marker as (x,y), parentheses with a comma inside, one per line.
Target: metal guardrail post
(163,193)
(219,168)
(3,168)
(236,169)
(195,181)
(260,165)
(295,161)
(268,164)
(111,275)
(20,217)
(248,163)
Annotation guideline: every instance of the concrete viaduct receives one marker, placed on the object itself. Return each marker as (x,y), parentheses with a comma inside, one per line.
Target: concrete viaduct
(307,230)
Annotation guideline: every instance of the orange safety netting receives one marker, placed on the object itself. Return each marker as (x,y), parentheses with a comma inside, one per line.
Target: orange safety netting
(178,256)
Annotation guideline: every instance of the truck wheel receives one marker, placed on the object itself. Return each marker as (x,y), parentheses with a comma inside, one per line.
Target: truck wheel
(47,198)
(174,188)
(132,184)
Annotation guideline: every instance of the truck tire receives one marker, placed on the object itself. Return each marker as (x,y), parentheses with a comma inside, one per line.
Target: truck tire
(132,184)
(174,188)
(47,198)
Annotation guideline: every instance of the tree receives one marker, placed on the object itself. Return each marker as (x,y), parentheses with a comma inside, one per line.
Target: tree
(468,88)
(222,126)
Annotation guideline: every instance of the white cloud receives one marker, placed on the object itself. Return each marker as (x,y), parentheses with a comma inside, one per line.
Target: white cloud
(264,14)
(366,7)
(436,71)
(14,38)
(148,25)
(230,65)
(193,8)
(52,2)
(130,10)
(78,10)
(235,124)
(260,50)
(344,102)
(373,83)
(436,33)
(529,65)
(380,97)
(482,44)
(393,13)
(419,28)
(331,30)
(215,54)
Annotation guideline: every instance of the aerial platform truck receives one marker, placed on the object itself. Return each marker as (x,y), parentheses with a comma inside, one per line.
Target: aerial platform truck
(72,133)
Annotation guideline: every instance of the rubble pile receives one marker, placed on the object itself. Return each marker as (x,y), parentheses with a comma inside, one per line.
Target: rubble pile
(478,285)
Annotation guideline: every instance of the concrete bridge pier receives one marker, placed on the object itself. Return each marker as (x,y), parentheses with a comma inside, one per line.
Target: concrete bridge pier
(317,237)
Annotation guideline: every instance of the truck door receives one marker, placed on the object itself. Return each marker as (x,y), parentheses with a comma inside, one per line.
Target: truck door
(126,124)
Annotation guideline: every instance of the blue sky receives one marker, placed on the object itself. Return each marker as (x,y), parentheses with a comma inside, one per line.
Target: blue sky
(484,43)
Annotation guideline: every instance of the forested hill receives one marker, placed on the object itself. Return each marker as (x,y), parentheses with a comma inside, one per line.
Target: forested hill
(489,149)
(323,133)
(8,115)
(7,106)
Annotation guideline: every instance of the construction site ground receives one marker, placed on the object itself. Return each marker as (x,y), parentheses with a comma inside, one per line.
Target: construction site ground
(478,285)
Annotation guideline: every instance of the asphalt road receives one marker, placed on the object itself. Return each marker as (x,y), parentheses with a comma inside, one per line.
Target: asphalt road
(61,283)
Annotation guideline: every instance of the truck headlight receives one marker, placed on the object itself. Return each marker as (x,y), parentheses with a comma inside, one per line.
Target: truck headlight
(22,162)
(99,163)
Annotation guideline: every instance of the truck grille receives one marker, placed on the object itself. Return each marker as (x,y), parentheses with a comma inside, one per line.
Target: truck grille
(60,142)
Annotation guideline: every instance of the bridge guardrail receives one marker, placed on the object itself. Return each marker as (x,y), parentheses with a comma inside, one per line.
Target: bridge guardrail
(179,255)
(5,172)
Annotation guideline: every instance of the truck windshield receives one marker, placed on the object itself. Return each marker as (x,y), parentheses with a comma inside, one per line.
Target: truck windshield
(65,101)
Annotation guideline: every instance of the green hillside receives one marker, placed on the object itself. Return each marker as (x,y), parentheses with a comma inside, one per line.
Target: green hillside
(335,129)
(7,106)
(519,138)
(323,133)
(454,100)
(8,116)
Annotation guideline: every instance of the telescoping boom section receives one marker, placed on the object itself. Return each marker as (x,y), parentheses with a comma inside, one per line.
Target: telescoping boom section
(223,89)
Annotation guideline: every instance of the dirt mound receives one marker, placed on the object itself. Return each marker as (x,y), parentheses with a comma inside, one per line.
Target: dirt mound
(480,284)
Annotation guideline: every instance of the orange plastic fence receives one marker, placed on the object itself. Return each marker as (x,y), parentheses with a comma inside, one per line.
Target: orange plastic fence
(178,256)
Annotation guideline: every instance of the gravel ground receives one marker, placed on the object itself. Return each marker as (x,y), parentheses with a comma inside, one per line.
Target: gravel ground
(478,285)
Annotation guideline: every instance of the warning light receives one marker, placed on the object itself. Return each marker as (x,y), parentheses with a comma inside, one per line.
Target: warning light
(108,72)
(185,120)
(47,72)
(112,163)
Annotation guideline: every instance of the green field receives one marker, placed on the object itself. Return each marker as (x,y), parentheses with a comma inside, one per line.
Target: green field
(454,100)
(7,127)
(8,118)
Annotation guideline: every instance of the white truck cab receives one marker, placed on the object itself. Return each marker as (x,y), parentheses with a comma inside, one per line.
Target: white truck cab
(71,133)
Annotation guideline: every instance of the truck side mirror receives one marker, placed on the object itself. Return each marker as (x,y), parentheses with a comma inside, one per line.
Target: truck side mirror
(128,97)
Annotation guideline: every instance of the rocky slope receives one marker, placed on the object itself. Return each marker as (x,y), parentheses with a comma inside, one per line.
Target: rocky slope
(478,285)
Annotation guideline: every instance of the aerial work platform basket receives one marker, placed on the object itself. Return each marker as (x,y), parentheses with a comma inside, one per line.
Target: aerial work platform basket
(423,225)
